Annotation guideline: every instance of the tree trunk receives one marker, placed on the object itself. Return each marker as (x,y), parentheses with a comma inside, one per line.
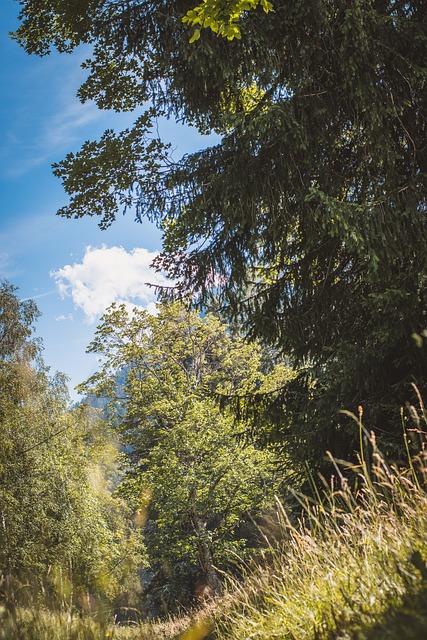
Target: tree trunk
(205,554)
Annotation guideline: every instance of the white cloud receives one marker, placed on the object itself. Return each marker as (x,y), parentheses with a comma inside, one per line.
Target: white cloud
(56,133)
(107,275)
(63,127)
(37,296)
(4,261)
(50,120)
(61,318)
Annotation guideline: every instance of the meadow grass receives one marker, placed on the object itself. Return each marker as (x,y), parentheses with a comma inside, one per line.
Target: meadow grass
(37,623)
(352,567)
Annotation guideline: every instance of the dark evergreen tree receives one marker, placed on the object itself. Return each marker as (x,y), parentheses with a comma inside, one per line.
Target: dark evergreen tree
(309,215)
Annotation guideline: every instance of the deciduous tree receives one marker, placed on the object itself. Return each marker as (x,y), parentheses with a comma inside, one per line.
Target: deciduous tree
(189,474)
(57,511)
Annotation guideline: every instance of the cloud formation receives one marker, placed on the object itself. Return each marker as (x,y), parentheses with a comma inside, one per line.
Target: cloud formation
(107,275)
(55,134)
(61,318)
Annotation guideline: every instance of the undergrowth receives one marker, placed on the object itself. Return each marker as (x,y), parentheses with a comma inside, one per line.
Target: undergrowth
(353,567)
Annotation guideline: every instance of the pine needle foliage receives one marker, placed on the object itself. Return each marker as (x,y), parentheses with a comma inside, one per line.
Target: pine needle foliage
(307,218)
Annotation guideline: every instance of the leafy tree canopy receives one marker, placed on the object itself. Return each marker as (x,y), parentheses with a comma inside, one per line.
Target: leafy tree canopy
(16,324)
(189,475)
(57,513)
(311,207)
(221,16)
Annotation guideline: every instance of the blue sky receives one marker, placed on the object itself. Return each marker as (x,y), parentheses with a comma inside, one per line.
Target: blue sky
(70,267)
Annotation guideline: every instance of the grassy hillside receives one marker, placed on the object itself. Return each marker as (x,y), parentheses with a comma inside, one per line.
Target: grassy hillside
(353,567)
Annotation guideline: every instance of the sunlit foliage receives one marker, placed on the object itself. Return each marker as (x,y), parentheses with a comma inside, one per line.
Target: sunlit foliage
(57,512)
(194,484)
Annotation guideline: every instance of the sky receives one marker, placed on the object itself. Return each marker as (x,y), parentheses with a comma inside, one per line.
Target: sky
(71,268)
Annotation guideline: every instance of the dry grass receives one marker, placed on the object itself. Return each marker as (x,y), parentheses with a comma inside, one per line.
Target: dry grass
(353,568)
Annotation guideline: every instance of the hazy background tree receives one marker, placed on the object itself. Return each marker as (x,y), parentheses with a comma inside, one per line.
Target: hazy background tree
(57,512)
